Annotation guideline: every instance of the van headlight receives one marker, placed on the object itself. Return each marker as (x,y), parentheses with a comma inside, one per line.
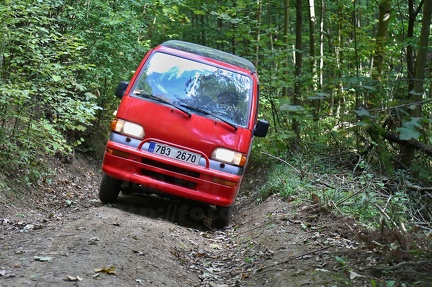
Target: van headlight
(127,128)
(229,156)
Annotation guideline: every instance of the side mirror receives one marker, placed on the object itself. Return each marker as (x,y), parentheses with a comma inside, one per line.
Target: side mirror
(261,128)
(121,88)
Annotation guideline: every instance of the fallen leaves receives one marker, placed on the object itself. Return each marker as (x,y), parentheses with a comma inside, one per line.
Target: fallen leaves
(43,258)
(20,226)
(108,270)
(73,279)
(94,240)
(6,273)
(215,246)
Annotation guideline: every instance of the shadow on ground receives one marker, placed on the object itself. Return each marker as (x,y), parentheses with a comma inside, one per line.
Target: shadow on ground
(185,213)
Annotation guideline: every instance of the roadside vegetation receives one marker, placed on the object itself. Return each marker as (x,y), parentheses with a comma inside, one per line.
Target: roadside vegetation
(341,186)
(346,86)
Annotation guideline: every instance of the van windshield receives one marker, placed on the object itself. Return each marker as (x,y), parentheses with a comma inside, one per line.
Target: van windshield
(201,87)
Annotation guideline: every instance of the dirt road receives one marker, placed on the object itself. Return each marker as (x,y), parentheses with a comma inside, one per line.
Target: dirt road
(66,237)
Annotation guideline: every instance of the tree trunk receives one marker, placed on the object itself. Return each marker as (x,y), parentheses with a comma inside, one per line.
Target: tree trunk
(410,58)
(420,68)
(381,37)
(416,95)
(258,32)
(202,34)
(298,63)
(286,28)
(312,43)
(321,62)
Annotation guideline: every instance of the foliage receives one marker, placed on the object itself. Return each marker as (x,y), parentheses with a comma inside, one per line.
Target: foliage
(345,184)
(116,41)
(61,60)
(42,100)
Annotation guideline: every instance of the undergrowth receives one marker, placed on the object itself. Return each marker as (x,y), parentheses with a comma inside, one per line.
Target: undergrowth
(345,183)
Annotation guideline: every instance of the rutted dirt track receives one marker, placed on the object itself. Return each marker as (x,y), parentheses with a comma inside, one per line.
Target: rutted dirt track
(68,238)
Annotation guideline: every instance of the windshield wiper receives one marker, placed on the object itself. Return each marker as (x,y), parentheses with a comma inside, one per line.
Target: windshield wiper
(207,113)
(160,100)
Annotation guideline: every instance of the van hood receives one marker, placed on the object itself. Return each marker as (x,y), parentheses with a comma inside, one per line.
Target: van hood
(195,131)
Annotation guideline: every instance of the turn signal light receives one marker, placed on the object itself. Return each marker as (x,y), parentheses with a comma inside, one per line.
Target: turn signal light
(224,182)
(117,153)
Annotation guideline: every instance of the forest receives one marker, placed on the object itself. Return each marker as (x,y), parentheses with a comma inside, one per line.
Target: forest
(346,86)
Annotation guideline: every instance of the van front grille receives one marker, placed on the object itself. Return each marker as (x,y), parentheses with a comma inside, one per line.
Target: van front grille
(171,168)
(169,179)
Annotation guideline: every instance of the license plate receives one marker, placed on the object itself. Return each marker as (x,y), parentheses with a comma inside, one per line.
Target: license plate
(175,153)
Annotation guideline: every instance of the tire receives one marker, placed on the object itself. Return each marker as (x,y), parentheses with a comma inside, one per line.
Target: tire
(109,189)
(222,216)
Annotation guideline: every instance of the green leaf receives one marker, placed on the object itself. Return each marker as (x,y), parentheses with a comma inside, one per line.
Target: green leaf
(56,78)
(362,124)
(292,108)
(414,93)
(340,260)
(362,113)
(369,88)
(410,129)
(408,133)
(318,96)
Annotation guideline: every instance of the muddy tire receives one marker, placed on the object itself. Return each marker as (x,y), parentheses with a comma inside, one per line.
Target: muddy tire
(109,189)
(222,216)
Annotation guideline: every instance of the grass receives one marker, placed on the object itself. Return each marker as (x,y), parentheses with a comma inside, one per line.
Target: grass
(345,188)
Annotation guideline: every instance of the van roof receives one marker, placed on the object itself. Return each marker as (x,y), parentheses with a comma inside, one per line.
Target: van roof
(210,53)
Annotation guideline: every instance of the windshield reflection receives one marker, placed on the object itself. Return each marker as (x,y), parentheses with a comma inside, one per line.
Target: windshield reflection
(180,81)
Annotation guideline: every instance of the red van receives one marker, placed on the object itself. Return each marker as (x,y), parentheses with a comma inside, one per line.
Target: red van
(184,127)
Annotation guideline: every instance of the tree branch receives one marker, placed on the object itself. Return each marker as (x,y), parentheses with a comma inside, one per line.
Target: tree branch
(412,143)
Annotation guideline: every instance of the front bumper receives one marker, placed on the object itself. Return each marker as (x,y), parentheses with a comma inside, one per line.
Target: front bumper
(210,182)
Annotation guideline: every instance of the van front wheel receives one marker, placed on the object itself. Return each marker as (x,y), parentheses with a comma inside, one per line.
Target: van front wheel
(222,216)
(109,189)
